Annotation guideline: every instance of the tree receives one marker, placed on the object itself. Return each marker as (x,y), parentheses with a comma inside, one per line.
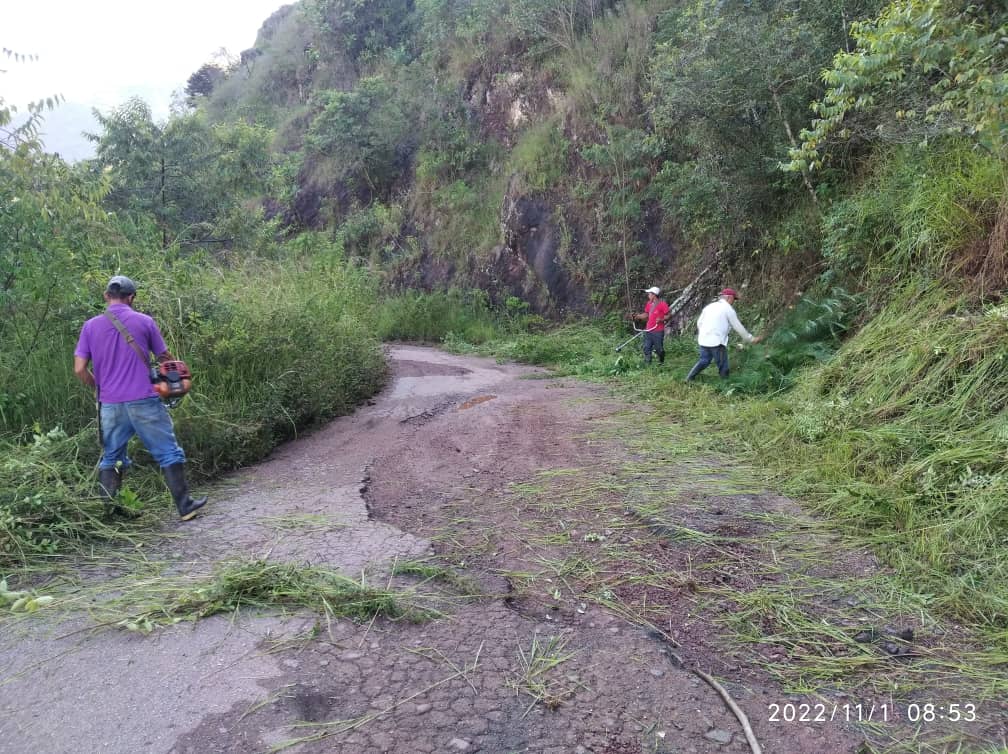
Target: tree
(203,81)
(441,20)
(53,235)
(363,28)
(921,69)
(51,223)
(366,133)
(730,84)
(11,134)
(185,174)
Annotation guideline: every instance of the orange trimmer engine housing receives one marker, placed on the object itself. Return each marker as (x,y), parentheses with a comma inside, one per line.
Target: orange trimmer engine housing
(173,379)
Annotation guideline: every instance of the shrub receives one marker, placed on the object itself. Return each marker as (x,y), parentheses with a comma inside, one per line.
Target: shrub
(810,333)
(540,157)
(433,317)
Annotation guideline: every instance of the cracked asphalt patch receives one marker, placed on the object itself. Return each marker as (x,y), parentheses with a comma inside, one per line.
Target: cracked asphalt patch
(584,638)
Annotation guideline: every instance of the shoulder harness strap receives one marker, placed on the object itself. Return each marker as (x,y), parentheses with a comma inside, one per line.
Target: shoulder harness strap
(128,336)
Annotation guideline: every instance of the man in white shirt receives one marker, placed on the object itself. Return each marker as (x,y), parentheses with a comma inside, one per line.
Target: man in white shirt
(716,321)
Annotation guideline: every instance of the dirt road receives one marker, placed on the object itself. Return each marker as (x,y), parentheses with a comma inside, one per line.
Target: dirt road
(568,622)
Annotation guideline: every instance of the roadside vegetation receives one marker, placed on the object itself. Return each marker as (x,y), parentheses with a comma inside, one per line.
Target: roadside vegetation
(275,338)
(882,410)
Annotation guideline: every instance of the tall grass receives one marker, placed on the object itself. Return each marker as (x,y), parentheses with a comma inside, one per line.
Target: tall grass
(605,68)
(810,332)
(464,218)
(913,213)
(437,316)
(456,205)
(540,157)
(274,347)
(905,435)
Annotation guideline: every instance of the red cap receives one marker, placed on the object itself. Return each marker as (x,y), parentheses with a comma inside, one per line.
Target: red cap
(729,292)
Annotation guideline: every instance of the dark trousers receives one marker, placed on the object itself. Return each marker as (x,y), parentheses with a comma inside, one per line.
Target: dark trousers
(717,354)
(654,341)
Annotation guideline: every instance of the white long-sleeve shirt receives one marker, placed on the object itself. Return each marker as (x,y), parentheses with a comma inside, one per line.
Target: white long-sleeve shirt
(716,320)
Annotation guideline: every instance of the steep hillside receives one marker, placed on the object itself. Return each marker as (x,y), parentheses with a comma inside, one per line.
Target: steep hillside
(563,153)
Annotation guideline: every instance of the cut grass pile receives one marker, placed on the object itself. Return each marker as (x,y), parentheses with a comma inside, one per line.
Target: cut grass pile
(49,507)
(263,584)
(538,678)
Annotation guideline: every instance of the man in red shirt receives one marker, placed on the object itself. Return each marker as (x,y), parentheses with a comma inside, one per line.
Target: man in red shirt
(655,312)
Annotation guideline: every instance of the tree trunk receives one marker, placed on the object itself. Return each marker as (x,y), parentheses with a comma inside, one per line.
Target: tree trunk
(794,144)
(681,310)
(164,200)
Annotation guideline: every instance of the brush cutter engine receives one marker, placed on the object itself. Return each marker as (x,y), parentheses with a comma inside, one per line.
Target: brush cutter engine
(171,380)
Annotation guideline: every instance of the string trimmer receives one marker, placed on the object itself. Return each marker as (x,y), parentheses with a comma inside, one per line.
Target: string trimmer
(621,346)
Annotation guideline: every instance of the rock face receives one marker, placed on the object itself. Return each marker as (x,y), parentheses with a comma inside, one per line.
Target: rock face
(554,251)
(531,243)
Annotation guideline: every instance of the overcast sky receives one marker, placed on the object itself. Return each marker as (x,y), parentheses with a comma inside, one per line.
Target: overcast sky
(99,53)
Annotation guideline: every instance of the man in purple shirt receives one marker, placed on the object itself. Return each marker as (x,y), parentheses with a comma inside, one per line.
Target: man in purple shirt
(127,403)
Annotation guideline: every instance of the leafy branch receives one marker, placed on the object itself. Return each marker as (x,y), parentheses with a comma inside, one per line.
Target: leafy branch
(922,68)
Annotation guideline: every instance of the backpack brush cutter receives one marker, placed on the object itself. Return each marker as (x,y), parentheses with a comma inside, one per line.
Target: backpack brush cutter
(171,380)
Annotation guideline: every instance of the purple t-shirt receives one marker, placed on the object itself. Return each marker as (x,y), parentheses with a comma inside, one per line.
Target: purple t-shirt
(118,370)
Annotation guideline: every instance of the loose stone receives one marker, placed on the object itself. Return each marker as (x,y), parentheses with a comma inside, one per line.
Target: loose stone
(718,736)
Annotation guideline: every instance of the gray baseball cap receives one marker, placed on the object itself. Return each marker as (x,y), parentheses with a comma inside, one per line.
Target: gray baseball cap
(120,284)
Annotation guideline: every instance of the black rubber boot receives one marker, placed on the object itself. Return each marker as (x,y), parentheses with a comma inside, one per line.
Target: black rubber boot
(186,504)
(109,481)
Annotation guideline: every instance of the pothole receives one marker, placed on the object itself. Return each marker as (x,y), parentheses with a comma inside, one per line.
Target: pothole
(418,420)
(476,401)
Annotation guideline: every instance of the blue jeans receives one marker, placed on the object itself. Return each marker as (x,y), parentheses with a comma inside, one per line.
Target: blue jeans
(654,341)
(717,354)
(149,420)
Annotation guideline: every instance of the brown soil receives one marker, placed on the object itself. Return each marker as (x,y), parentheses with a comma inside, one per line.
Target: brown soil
(583,580)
